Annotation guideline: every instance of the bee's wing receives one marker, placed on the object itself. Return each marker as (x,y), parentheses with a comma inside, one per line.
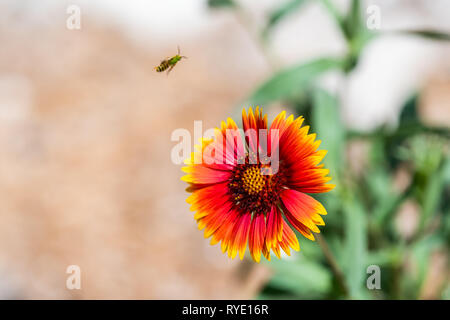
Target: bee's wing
(170,69)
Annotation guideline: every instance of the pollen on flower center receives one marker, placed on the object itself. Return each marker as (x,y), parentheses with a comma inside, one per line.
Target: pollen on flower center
(252,180)
(253,191)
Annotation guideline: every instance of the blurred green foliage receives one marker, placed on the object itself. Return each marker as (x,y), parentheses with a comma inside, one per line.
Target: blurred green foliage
(361,226)
(221,3)
(281,12)
(292,82)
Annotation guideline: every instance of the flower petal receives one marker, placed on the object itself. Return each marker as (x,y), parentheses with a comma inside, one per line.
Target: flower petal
(240,235)
(199,174)
(208,199)
(289,239)
(252,124)
(224,229)
(302,207)
(274,228)
(256,236)
(215,219)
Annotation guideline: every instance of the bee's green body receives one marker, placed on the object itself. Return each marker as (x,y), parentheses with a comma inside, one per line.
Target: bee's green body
(169,64)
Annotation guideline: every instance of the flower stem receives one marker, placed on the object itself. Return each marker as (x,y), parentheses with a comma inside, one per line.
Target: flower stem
(333,264)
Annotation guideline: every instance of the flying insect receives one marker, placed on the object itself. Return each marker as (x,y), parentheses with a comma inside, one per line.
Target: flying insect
(169,63)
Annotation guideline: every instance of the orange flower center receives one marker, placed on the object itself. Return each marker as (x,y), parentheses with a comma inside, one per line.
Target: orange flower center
(253,181)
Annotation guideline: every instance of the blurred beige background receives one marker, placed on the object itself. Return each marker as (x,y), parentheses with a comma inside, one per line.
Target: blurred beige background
(85,124)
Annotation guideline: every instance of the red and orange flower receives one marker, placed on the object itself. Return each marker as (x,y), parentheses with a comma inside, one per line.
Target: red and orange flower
(243,199)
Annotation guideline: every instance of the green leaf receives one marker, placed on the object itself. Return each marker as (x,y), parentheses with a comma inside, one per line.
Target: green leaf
(278,14)
(353,21)
(221,3)
(301,277)
(353,29)
(327,124)
(432,197)
(409,125)
(293,81)
(429,34)
(383,257)
(446,172)
(384,196)
(334,12)
(446,224)
(355,266)
(409,113)
(421,252)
